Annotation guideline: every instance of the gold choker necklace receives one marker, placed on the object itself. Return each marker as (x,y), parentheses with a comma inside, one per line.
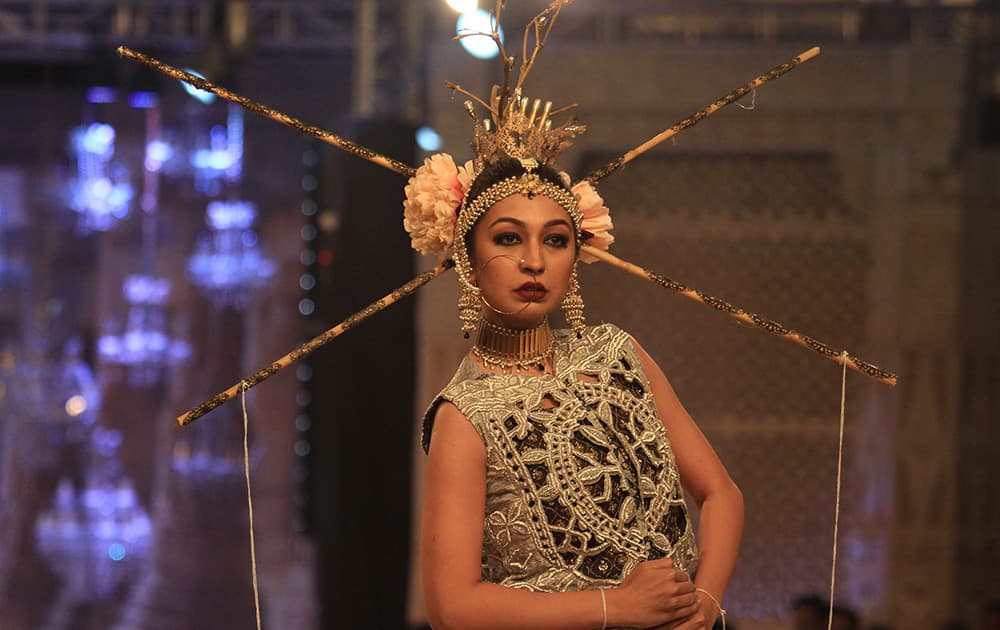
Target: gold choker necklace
(513,349)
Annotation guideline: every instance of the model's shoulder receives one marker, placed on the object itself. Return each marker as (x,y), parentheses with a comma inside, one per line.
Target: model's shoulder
(469,389)
(468,379)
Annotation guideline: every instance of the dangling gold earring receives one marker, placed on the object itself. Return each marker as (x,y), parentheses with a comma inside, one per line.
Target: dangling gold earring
(468,310)
(572,306)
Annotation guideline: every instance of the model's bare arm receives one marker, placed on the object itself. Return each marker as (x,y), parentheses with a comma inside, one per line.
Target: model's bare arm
(706,481)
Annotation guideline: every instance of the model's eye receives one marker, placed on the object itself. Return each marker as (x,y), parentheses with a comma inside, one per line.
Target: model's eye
(557,240)
(506,238)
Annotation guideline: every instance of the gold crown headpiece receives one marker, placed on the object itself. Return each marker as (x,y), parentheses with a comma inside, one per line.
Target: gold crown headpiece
(520,129)
(516,126)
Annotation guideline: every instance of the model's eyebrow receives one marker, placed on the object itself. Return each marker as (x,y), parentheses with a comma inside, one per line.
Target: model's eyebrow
(524,225)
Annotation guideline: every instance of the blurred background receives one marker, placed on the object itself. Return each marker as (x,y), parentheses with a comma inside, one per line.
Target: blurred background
(157,244)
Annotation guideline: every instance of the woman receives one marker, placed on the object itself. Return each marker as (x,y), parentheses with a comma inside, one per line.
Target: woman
(556,458)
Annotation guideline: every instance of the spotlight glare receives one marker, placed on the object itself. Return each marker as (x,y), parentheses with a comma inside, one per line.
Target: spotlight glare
(201,95)
(463,6)
(480,45)
(428,139)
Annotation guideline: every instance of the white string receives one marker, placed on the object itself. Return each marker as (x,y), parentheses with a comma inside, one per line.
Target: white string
(836,511)
(722,611)
(246,471)
(753,101)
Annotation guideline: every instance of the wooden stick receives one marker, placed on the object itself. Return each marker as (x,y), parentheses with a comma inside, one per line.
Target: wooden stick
(696,117)
(840,356)
(330,138)
(265,373)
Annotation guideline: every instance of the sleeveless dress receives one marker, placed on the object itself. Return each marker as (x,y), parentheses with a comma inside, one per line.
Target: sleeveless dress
(581,482)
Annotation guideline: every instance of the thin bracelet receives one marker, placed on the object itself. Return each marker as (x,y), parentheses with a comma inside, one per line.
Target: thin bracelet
(722,611)
(604,609)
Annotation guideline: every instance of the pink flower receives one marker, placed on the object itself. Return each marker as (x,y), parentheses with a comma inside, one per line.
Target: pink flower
(596,218)
(465,176)
(433,195)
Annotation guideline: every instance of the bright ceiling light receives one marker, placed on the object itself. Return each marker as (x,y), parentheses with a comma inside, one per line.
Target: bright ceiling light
(480,46)
(463,6)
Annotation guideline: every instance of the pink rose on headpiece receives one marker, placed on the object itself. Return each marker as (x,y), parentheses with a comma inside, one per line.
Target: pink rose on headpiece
(596,218)
(433,195)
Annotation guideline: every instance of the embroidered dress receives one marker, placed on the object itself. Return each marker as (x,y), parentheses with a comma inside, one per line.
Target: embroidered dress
(581,482)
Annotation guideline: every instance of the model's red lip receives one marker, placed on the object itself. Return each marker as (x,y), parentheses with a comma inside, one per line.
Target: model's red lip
(532,286)
(532,292)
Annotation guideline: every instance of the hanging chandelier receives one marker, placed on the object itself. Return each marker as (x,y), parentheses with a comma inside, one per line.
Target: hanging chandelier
(100,193)
(143,346)
(96,538)
(228,266)
(220,159)
(214,450)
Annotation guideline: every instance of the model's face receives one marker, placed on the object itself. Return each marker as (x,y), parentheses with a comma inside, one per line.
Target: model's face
(523,255)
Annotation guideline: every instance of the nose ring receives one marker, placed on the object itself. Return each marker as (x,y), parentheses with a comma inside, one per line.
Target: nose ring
(522,262)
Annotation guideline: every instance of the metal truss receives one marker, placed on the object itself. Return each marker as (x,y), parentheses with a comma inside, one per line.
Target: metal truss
(819,21)
(53,29)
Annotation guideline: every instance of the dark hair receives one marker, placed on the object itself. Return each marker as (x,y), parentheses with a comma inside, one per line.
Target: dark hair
(498,171)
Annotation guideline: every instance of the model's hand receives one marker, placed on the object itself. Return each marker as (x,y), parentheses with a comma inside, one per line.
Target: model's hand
(705,617)
(654,594)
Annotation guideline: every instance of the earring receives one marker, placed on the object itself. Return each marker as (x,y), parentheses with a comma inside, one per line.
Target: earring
(468,310)
(572,306)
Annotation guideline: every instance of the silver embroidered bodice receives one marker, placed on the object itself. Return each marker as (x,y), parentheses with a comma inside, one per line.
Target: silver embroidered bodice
(581,482)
